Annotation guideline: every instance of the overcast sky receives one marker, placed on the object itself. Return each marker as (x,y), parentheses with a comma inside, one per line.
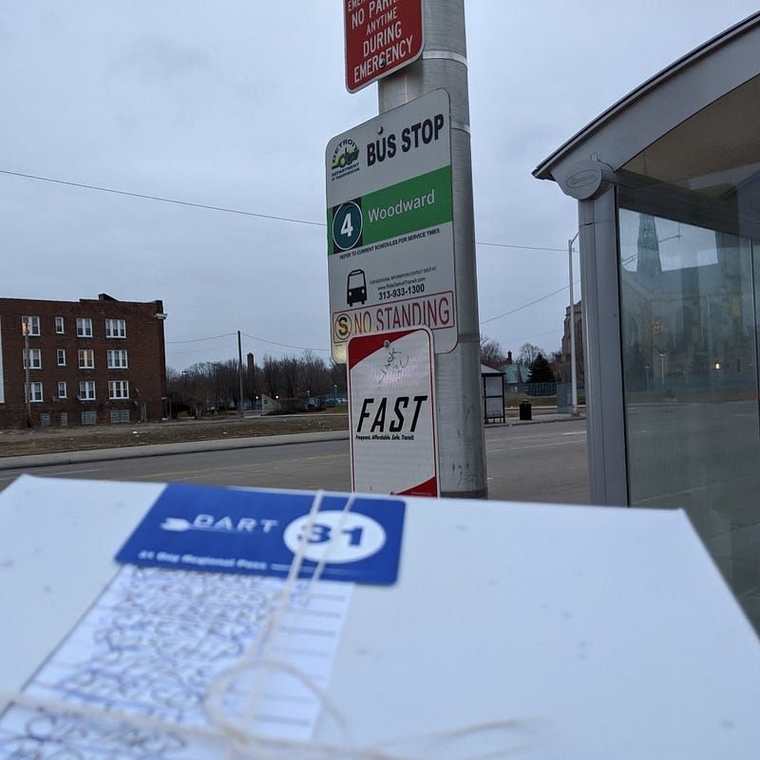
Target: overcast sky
(230,104)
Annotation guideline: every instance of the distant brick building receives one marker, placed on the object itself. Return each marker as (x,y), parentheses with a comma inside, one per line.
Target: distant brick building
(83,363)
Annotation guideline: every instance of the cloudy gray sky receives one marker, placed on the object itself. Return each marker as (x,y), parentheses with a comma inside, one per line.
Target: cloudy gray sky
(230,104)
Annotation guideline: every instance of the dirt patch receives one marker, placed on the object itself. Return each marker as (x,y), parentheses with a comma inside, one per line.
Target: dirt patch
(48,440)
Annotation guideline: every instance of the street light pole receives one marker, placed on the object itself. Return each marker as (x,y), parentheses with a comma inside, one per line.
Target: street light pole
(573,370)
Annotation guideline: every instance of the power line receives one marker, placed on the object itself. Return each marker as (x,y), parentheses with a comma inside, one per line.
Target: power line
(252,337)
(525,306)
(327,350)
(162,199)
(521,247)
(530,337)
(224,209)
(285,345)
(191,352)
(293,220)
(198,340)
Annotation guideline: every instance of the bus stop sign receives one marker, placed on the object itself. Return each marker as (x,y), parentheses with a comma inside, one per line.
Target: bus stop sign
(390,232)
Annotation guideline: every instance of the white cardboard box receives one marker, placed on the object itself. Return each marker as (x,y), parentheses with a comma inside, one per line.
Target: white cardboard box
(603,632)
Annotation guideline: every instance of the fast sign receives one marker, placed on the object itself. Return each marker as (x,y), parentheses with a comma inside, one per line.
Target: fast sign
(390,225)
(382,36)
(392,413)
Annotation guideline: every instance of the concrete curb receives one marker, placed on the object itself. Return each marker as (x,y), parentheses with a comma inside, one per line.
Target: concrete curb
(538,418)
(29,461)
(164,449)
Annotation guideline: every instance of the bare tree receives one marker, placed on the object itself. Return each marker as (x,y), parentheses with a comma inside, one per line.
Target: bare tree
(315,375)
(338,377)
(290,371)
(271,375)
(491,353)
(528,354)
(226,384)
(217,384)
(250,377)
(192,388)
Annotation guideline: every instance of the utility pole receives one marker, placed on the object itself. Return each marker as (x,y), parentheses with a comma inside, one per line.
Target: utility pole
(240,375)
(443,64)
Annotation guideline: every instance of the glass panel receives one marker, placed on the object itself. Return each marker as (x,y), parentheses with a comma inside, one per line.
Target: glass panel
(689,336)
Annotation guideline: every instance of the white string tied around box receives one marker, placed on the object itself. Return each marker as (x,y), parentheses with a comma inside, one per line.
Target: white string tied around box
(257,657)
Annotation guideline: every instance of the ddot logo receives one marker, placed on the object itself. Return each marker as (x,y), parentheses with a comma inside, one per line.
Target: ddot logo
(344,158)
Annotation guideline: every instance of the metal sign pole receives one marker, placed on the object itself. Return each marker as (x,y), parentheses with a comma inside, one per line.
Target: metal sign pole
(461,441)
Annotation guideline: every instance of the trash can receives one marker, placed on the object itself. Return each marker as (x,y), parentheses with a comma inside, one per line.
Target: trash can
(526,412)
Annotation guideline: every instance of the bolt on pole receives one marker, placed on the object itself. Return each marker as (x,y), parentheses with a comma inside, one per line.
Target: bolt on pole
(443,64)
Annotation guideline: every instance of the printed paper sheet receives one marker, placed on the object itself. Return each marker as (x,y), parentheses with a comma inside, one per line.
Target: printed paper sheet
(152,646)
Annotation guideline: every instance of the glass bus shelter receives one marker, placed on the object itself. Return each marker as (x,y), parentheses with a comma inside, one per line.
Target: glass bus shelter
(668,190)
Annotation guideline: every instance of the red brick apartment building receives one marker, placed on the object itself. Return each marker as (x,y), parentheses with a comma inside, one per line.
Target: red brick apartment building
(81,363)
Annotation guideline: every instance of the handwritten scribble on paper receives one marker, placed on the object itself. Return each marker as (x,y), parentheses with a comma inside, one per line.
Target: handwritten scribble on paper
(395,364)
(150,648)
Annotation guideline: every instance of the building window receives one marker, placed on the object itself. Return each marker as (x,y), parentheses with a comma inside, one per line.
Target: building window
(117,359)
(86,358)
(32,358)
(59,325)
(118,389)
(87,390)
(62,389)
(61,357)
(35,392)
(116,328)
(84,327)
(30,325)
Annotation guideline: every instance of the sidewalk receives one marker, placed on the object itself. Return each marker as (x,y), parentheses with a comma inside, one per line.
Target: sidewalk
(540,415)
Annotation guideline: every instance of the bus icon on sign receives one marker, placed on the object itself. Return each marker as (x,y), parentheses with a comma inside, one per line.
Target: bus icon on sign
(356,287)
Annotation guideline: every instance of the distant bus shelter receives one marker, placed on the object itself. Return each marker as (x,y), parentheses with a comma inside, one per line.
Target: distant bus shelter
(493,395)
(668,184)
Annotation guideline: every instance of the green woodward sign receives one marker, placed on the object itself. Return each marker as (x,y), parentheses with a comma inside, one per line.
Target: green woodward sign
(416,204)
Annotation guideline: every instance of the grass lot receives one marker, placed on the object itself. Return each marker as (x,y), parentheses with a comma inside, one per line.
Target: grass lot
(105,435)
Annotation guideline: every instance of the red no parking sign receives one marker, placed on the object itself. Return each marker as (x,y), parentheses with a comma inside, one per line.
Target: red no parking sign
(382,36)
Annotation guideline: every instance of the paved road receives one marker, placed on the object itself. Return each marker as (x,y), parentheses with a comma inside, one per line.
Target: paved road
(537,462)
(541,462)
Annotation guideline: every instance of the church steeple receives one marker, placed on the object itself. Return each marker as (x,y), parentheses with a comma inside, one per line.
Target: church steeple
(648,247)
